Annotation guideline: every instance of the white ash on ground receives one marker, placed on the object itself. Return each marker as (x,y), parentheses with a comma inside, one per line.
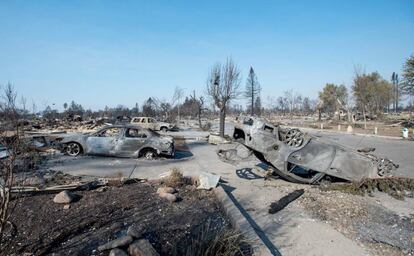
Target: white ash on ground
(382,231)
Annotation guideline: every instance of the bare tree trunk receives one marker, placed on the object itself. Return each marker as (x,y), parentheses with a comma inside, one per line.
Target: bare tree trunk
(252,102)
(365,118)
(199,116)
(222,121)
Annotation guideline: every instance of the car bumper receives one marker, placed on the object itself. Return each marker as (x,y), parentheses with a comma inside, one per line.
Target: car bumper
(170,152)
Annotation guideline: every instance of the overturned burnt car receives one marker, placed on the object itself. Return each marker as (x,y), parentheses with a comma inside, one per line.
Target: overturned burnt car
(299,157)
(120,141)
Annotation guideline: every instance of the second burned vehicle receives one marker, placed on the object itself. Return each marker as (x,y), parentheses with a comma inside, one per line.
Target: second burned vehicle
(302,158)
(120,141)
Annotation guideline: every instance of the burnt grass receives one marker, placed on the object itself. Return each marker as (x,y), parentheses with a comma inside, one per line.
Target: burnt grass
(43,227)
(394,186)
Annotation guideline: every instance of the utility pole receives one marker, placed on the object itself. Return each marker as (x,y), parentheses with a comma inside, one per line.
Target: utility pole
(395,83)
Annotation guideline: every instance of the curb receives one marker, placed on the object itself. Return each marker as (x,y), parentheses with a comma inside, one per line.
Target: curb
(356,134)
(249,229)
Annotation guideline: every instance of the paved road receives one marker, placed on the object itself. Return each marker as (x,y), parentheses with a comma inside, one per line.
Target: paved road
(399,151)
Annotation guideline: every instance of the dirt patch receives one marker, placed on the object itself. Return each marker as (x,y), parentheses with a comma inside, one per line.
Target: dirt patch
(43,227)
(380,230)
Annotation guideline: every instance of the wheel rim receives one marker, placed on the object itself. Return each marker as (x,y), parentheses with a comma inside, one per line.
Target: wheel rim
(294,138)
(149,155)
(73,149)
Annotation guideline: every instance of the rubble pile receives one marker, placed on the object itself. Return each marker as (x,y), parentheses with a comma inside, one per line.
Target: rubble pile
(67,125)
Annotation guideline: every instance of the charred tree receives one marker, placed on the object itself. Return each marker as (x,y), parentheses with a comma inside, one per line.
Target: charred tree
(252,91)
(222,86)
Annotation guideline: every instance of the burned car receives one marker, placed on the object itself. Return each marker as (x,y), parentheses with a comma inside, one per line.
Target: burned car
(121,141)
(299,157)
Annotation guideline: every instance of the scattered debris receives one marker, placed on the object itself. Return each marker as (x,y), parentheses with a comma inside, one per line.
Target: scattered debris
(102,189)
(208,180)
(234,153)
(366,150)
(362,219)
(215,139)
(394,186)
(285,201)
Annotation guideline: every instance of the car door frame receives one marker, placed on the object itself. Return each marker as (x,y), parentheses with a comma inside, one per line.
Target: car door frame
(98,145)
(130,146)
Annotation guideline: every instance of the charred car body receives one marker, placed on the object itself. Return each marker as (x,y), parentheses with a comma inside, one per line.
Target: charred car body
(119,141)
(302,158)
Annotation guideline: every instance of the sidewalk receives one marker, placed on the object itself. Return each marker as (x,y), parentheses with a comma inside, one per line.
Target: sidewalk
(352,133)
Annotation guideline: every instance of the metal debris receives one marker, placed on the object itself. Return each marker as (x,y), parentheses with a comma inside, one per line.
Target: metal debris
(208,180)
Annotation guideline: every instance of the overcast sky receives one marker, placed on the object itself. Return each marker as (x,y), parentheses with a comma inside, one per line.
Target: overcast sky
(101,53)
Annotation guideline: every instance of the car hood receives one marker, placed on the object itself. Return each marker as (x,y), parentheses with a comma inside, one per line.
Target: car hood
(167,139)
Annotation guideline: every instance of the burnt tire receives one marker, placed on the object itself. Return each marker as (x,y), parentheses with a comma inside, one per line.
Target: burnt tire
(73,149)
(149,154)
(164,129)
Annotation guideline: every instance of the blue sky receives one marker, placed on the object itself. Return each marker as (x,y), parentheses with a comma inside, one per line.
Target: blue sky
(120,52)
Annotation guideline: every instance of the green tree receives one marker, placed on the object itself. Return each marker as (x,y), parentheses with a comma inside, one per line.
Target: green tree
(371,93)
(332,97)
(408,77)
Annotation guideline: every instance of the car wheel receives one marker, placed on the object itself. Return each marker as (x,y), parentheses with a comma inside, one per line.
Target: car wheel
(150,154)
(294,138)
(73,149)
(164,129)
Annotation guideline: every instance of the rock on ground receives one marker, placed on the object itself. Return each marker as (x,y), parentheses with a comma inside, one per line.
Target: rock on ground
(117,252)
(169,197)
(64,197)
(142,247)
(169,190)
(122,241)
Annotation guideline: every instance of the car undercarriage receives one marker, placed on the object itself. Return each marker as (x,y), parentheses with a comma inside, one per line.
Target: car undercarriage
(300,157)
